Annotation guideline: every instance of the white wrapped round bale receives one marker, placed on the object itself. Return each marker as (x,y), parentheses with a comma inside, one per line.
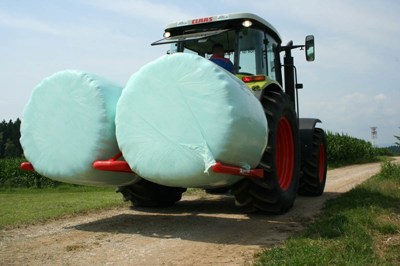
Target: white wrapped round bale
(180,114)
(67,124)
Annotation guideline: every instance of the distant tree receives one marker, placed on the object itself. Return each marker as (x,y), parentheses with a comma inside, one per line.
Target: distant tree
(16,135)
(3,129)
(10,149)
(9,139)
(1,144)
(395,150)
(398,140)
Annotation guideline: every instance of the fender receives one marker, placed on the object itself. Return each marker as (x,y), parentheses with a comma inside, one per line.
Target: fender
(306,134)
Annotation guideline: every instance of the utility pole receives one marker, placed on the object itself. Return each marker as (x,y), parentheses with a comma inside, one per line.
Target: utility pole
(374,136)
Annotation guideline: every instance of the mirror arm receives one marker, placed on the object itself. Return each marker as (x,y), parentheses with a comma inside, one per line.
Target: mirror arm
(291,47)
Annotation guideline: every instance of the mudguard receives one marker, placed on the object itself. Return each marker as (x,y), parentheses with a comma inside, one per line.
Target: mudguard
(306,131)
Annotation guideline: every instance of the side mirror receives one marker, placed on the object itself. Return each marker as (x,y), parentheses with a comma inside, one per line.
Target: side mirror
(310,48)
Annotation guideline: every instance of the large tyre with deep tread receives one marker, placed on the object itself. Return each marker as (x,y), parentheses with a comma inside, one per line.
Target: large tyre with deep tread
(276,192)
(312,182)
(148,194)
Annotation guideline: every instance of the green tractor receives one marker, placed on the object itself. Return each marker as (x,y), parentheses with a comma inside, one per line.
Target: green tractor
(217,112)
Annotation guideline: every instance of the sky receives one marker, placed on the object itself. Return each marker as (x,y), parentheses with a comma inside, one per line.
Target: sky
(353,84)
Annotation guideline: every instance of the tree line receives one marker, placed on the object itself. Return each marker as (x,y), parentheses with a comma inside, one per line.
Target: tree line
(10,147)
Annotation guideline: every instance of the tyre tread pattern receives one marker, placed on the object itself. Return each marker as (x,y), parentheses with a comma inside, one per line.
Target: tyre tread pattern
(310,184)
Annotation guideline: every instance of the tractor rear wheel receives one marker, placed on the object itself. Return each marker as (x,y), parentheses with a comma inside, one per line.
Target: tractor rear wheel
(148,194)
(276,192)
(312,182)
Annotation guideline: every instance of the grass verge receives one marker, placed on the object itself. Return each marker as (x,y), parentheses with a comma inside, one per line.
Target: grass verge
(29,206)
(362,227)
(26,206)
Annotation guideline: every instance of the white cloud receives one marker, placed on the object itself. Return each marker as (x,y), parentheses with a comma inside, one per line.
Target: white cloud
(151,11)
(26,23)
(373,23)
(380,97)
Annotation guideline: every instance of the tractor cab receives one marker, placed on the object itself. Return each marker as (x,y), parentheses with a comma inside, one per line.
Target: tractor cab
(250,43)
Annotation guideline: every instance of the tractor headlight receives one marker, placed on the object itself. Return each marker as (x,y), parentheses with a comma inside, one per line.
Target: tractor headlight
(247,23)
(167,34)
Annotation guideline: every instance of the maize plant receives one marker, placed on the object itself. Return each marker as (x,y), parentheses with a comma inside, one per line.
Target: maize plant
(344,149)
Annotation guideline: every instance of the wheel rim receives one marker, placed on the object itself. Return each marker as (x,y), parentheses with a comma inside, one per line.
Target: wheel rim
(321,162)
(284,154)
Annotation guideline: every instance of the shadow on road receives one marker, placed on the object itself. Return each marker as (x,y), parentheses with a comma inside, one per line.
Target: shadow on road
(215,220)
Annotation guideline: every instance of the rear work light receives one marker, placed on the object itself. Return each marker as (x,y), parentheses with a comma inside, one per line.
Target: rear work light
(253,78)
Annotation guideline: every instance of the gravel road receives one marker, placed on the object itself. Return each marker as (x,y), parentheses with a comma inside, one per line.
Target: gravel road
(199,230)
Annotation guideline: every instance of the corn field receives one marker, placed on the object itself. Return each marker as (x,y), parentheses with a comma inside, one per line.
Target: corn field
(346,150)
(11,176)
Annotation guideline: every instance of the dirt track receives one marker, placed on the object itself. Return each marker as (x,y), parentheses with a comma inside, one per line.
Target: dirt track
(196,231)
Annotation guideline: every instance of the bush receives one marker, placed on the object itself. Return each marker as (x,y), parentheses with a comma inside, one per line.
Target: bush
(390,170)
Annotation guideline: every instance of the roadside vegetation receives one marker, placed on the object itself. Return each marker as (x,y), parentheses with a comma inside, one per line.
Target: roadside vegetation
(24,206)
(346,150)
(12,177)
(362,227)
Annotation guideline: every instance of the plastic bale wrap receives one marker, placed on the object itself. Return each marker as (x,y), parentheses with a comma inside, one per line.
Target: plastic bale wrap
(180,114)
(68,123)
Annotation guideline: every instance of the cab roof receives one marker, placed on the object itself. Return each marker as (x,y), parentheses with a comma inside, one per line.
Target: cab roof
(220,22)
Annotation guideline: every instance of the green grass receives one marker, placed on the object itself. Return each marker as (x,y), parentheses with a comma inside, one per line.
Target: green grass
(362,227)
(29,206)
(26,206)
